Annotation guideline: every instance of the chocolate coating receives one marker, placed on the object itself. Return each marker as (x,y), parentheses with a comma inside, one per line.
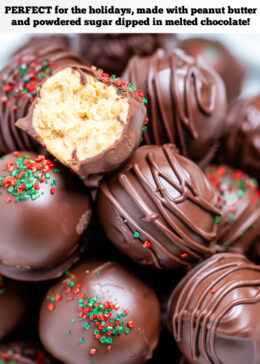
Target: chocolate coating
(239,226)
(19,81)
(213,312)
(43,234)
(24,352)
(240,145)
(218,57)
(186,102)
(107,281)
(162,199)
(43,41)
(92,169)
(13,304)
(111,52)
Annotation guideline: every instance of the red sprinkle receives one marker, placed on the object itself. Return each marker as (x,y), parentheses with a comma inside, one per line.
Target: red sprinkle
(93,351)
(51,306)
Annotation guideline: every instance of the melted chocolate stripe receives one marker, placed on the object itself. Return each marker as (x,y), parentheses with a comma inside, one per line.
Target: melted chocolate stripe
(206,320)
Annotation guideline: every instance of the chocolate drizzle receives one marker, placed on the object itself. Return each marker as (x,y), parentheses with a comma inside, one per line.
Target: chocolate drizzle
(203,303)
(184,97)
(19,82)
(159,192)
(241,137)
(240,205)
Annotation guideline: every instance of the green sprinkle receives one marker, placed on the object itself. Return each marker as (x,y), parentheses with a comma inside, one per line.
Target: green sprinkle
(103,340)
(240,193)
(231,217)
(73,321)
(136,234)
(72,284)
(144,100)
(86,326)
(81,340)
(68,332)
(225,244)
(127,330)
(53,299)
(56,170)
(131,87)
(97,272)
(217,219)
(144,128)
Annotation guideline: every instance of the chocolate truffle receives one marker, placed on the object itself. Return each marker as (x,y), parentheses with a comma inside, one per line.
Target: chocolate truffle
(41,41)
(159,209)
(13,304)
(19,81)
(100,313)
(24,352)
(111,52)
(219,58)
(44,212)
(240,145)
(89,121)
(186,102)
(239,225)
(214,311)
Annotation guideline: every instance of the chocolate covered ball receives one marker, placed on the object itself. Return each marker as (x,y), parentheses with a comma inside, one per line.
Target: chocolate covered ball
(221,59)
(239,225)
(13,305)
(89,121)
(214,311)
(19,81)
(160,209)
(40,41)
(100,313)
(44,212)
(24,352)
(241,137)
(186,102)
(111,52)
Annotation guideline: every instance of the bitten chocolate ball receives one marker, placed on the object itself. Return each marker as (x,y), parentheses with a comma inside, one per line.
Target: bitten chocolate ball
(186,102)
(221,59)
(89,121)
(239,225)
(44,212)
(241,137)
(159,209)
(24,352)
(111,52)
(213,312)
(100,313)
(13,305)
(19,81)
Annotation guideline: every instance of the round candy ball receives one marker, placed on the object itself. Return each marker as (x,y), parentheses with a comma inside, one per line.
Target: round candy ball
(44,212)
(100,313)
(213,312)
(160,209)
(186,102)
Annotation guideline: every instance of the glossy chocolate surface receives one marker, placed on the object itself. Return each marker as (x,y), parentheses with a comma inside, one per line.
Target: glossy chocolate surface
(159,209)
(131,305)
(111,52)
(40,238)
(186,102)
(240,145)
(238,195)
(218,57)
(213,312)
